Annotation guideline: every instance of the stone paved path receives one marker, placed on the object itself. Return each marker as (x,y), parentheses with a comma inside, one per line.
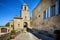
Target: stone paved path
(26,36)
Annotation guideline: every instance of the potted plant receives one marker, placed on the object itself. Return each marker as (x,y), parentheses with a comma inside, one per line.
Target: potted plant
(57,34)
(13,33)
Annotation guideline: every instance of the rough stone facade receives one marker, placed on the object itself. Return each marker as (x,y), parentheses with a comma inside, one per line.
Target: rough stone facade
(50,23)
(22,21)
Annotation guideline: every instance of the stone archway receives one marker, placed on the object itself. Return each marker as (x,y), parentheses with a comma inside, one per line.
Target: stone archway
(25,24)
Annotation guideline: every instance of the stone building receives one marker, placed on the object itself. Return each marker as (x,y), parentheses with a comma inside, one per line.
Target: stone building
(46,15)
(18,23)
(23,21)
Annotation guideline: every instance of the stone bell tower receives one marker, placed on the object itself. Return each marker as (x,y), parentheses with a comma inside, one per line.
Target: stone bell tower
(25,15)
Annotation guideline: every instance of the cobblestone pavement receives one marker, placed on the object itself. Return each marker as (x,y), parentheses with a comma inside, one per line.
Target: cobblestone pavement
(26,36)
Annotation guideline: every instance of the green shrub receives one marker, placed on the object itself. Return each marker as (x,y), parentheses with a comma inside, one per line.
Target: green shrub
(13,31)
(8,37)
(57,32)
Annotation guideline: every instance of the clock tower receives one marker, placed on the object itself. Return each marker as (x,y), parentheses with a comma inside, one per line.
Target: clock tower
(25,15)
(22,21)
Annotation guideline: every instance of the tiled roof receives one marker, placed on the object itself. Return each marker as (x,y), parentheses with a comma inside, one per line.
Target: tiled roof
(16,17)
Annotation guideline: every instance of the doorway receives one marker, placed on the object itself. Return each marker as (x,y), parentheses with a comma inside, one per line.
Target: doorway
(3,30)
(25,25)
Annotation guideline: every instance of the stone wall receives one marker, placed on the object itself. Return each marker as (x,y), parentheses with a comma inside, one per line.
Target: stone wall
(4,36)
(49,24)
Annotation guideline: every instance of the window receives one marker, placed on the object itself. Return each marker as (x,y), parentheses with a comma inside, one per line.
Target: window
(57,7)
(25,8)
(39,15)
(11,25)
(47,12)
(53,10)
(44,16)
(25,16)
(18,25)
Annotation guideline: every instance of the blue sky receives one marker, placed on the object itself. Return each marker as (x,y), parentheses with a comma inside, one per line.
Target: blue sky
(10,8)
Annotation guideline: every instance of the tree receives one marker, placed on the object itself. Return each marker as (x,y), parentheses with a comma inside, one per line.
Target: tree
(30,19)
(8,24)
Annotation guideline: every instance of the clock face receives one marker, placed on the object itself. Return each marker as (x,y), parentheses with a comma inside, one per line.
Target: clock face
(18,20)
